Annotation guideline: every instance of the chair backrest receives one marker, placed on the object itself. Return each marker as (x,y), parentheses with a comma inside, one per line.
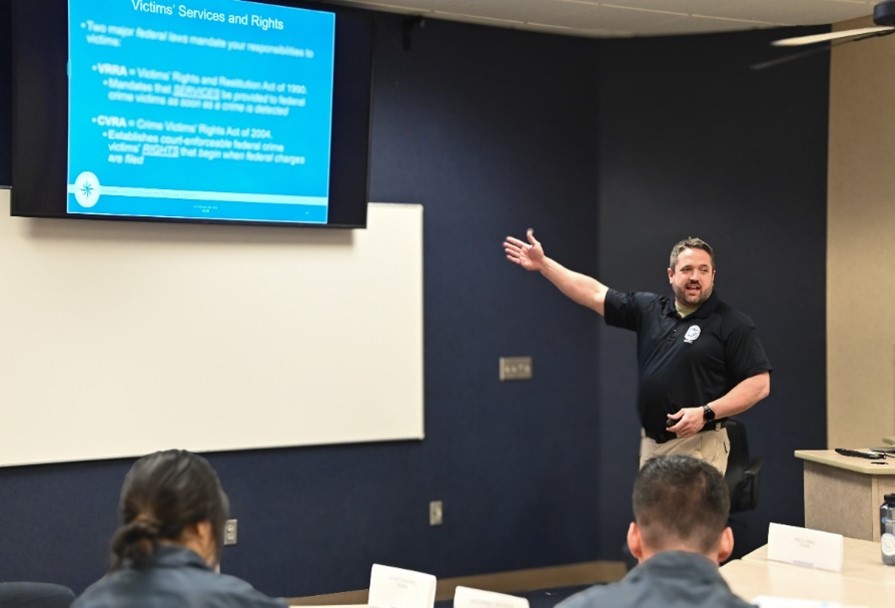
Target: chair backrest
(35,595)
(742,472)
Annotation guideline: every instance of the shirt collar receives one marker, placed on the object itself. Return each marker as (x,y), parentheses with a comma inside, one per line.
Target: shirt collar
(673,562)
(173,556)
(703,312)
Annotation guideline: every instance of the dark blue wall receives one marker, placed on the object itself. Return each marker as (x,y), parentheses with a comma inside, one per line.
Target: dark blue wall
(694,142)
(5,97)
(611,151)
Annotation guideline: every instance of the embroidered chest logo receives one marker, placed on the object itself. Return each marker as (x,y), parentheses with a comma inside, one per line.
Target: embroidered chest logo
(692,333)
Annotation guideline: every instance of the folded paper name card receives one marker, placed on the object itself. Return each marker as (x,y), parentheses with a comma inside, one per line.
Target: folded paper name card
(398,588)
(805,547)
(466,597)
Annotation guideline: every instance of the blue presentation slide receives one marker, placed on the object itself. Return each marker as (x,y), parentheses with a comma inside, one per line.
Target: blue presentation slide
(209,109)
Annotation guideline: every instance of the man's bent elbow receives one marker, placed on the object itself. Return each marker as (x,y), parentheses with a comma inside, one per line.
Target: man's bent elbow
(764,389)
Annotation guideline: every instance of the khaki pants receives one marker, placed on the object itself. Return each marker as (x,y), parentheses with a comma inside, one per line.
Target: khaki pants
(711,446)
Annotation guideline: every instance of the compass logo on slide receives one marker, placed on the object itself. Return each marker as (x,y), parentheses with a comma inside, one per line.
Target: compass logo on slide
(87,189)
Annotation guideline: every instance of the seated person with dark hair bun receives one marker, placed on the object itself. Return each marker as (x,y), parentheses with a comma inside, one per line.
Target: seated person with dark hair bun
(167,550)
(679,537)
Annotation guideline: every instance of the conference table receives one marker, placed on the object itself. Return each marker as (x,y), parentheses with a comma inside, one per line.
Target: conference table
(843,493)
(862,561)
(864,580)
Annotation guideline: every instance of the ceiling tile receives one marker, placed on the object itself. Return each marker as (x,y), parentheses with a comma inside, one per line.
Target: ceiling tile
(800,12)
(630,17)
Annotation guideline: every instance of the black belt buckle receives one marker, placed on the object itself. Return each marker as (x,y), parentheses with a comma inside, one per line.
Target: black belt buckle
(715,425)
(662,437)
(665,436)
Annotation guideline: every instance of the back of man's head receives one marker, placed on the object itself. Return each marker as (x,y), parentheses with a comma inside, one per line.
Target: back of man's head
(680,502)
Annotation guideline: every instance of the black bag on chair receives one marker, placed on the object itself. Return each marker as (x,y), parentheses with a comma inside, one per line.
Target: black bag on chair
(742,473)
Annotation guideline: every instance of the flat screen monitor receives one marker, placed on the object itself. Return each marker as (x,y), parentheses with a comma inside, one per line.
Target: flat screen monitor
(221,111)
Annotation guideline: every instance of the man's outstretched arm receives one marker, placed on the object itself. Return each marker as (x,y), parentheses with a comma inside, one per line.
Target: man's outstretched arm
(578,287)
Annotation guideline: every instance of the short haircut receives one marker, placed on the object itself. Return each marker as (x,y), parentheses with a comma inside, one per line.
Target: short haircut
(691,242)
(680,500)
(164,493)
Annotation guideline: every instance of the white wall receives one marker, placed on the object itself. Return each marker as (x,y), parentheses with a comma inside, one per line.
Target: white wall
(861,244)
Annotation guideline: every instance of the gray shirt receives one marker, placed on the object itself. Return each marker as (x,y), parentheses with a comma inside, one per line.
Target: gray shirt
(175,578)
(670,579)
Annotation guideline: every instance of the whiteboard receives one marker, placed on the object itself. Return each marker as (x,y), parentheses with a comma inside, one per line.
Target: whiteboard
(122,338)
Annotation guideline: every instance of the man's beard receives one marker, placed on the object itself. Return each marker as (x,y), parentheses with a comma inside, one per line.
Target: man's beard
(696,299)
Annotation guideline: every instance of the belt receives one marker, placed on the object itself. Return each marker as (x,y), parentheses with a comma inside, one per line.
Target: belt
(665,436)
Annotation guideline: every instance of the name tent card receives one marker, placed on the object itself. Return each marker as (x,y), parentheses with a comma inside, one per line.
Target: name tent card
(467,597)
(398,588)
(805,547)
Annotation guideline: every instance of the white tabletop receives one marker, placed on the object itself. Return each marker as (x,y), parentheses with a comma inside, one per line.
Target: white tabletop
(862,561)
(851,463)
(751,578)
(332,605)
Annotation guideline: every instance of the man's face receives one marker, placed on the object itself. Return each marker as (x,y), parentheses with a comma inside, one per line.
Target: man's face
(693,277)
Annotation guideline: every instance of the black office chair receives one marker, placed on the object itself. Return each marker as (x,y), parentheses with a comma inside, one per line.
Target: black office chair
(743,474)
(35,595)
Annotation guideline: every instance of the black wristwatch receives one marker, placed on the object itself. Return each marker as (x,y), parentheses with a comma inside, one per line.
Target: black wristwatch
(708,414)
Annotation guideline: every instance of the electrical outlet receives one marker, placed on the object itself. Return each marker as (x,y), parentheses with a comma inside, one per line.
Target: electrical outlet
(230,530)
(515,368)
(436,513)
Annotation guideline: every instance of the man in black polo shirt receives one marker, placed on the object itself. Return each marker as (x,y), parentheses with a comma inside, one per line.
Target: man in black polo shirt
(699,360)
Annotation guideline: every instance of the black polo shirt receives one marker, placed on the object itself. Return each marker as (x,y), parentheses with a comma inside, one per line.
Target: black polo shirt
(684,362)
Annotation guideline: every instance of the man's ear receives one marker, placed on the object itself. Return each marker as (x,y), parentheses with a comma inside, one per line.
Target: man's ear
(725,545)
(635,542)
(670,274)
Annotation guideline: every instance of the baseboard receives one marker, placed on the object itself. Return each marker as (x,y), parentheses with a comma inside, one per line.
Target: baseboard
(585,573)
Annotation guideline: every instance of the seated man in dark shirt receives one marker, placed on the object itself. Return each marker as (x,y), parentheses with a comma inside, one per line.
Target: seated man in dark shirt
(679,536)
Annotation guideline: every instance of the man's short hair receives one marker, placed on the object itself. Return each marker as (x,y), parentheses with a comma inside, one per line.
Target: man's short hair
(691,242)
(680,500)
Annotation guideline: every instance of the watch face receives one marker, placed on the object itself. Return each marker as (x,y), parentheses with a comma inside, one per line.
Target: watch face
(887,541)
(708,413)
